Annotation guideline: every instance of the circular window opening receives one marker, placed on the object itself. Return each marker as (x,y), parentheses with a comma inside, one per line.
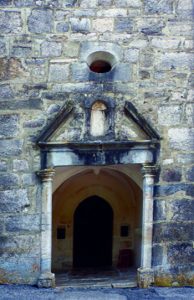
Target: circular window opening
(101,62)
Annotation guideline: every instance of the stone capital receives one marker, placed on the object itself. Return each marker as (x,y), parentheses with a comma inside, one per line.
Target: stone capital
(46,174)
(148,170)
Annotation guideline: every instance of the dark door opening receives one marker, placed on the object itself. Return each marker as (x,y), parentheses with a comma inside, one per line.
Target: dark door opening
(93,225)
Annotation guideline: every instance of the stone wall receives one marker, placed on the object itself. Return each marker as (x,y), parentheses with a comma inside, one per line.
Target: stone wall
(43,51)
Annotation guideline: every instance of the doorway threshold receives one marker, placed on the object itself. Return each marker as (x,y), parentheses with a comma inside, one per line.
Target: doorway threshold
(97,278)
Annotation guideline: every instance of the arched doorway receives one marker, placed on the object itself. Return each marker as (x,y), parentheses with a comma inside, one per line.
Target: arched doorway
(92,237)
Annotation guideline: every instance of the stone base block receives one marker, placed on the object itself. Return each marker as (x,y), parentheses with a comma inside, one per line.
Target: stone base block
(145,277)
(46,280)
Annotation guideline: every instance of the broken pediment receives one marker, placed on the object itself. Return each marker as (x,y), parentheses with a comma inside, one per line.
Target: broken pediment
(98,122)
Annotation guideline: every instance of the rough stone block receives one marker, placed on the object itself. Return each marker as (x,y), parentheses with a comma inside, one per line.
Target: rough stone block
(152,27)
(171,175)
(189,113)
(34,123)
(2,47)
(5,2)
(123,25)
(23,223)
(40,21)
(58,72)
(21,51)
(169,115)
(14,201)
(8,180)
(185,159)
(157,255)
(190,190)
(19,244)
(80,25)
(29,179)
(159,210)
(10,22)
(104,2)
(31,104)
(62,27)
(180,254)
(176,60)
(128,3)
(25,3)
(49,49)
(11,68)
(20,165)
(181,138)
(131,55)
(3,166)
(167,190)
(164,232)
(69,3)
(88,3)
(158,7)
(103,24)
(10,148)
(71,49)
(8,125)
(190,174)
(181,210)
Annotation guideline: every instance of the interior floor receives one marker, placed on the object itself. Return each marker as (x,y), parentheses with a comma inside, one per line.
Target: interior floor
(97,277)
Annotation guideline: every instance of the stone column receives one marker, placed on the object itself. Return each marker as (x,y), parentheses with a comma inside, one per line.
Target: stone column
(46,279)
(145,272)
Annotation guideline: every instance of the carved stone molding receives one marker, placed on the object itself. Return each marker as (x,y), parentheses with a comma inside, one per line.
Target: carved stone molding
(46,174)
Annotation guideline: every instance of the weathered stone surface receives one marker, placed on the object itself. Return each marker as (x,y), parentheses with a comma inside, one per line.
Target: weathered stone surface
(155,6)
(182,253)
(124,25)
(190,174)
(58,72)
(190,190)
(131,55)
(167,190)
(186,158)
(5,2)
(20,165)
(8,125)
(2,47)
(31,104)
(181,138)
(15,200)
(171,175)
(23,223)
(10,22)
(19,244)
(3,166)
(176,60)
(80,25)
(158,255)
(160,212)
(29,179)
(181,210)
(173,232)
(25,3)
(21,51)
(10,147)
(11,68)
(8,180)
(62,27)
(34,123)
(169,115)
(6,92)
(49,48)
(40,21)
(152,27)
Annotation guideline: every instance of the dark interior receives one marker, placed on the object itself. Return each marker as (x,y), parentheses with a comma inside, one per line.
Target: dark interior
(93,224)
(100,66)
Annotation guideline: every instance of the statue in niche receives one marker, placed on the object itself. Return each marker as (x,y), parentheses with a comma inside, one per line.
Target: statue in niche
(98,121)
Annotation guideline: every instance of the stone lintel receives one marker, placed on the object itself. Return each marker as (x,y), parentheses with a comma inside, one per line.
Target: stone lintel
(145,277)
(46,280)
(46,174)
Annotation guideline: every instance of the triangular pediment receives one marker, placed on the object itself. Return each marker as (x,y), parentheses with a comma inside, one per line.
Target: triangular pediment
(72,125)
